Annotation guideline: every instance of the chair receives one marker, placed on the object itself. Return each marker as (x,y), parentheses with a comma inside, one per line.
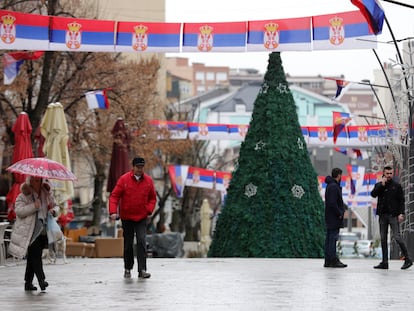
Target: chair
(3,226)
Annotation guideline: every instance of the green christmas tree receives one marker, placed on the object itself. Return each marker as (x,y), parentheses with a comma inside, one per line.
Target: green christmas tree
(273,207)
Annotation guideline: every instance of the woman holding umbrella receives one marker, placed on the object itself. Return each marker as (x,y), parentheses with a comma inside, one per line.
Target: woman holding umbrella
(29,232)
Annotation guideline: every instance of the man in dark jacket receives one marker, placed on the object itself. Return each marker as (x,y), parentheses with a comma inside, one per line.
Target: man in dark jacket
(390,209)
(133,200)
(334,216)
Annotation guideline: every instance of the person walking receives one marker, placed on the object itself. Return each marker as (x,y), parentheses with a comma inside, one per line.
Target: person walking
(133,200)
(390,209)
(334,216)
(29,236)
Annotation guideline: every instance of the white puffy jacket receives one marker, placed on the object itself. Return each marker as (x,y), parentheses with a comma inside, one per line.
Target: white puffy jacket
(26,219)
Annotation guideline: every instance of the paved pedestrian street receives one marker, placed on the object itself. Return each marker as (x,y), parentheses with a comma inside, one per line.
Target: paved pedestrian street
(212,284)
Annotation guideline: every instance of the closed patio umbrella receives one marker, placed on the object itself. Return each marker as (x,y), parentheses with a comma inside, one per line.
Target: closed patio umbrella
(54,129)
(120,154)
(22,130)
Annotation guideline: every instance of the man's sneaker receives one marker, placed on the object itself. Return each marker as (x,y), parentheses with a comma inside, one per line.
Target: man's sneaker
(408,263)
(127,274)
(144,274)
(382,265)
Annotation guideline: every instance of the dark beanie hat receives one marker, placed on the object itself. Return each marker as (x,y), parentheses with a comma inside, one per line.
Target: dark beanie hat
(138,161)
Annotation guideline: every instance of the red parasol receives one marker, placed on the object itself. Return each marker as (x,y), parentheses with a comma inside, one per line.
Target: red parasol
(22,130)
(119,158)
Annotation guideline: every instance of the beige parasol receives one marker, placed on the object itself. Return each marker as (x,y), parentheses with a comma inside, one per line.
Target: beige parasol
(55,131)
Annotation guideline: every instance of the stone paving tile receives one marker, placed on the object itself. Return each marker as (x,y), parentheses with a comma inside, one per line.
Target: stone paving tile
(212,284)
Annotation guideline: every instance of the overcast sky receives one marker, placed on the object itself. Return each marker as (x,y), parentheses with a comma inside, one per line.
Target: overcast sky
(354,64)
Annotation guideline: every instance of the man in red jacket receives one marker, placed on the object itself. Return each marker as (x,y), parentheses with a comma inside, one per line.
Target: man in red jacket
(133,200)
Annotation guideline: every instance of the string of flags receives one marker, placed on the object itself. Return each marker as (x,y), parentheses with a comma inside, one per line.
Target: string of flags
(346,136)
(356,186)
(337,31)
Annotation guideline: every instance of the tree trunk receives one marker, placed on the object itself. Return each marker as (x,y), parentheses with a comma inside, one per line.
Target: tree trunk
(98,192)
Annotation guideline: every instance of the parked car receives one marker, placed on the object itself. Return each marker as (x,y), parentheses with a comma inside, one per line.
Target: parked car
(348,236)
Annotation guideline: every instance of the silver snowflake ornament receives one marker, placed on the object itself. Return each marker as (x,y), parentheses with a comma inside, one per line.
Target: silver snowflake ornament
(264,88)
(297,191)
(282,88)
(300,143)
(259,145)
(250,190)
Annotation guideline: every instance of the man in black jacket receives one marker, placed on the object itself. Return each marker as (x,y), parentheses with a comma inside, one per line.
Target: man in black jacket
(390,209)
(334,216)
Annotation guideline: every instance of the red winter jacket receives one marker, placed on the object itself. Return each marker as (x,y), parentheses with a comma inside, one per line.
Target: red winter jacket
(136,199)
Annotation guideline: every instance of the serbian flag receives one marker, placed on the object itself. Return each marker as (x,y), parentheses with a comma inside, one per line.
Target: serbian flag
(200,178)
(340,120)
(356,174)
(237,131)
(320,135)
(21,31)
(358,154)
(291,34)
(13,61)
(373,13)
(178,176)
(81,35)
(342,31)
(341,86)
(207,131)
(97,99)
(214,37)
(222,180)
(147,37)
(176,129)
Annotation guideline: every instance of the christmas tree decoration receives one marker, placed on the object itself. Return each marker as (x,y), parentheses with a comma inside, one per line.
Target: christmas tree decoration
(297,191)
(250,190)
(273,207)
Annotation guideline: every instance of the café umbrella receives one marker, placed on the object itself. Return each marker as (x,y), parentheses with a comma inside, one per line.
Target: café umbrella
(42,167)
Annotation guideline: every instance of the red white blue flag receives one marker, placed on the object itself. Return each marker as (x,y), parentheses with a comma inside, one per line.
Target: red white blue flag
(176,129)
(178,176)
(13,61)
(97,99)
(21,31)
(201,178)
(356,174)
(237,131)
(340,120)
(341,31)
(214,37)
(353,153)
(320,135)
(81,35)
(148,37)
(373,13)
(291,34)
(222,181)
(207,131)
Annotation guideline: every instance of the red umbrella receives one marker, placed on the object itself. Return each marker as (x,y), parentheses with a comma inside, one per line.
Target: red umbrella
(120,158)
(42,167)
(22,130)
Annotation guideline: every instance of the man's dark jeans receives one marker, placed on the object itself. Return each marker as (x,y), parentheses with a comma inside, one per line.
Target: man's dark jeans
(330,244)
(386,220)
(139,230)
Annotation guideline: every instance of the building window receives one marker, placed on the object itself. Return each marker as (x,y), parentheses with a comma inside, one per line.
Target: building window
(210,76)
(201,89)
(221,76)
(200,76)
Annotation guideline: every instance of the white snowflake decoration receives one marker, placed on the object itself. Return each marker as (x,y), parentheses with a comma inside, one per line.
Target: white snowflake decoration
(264,88)
(300,143)
(297,191)
(259,145)
(250,190)
(282,88)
